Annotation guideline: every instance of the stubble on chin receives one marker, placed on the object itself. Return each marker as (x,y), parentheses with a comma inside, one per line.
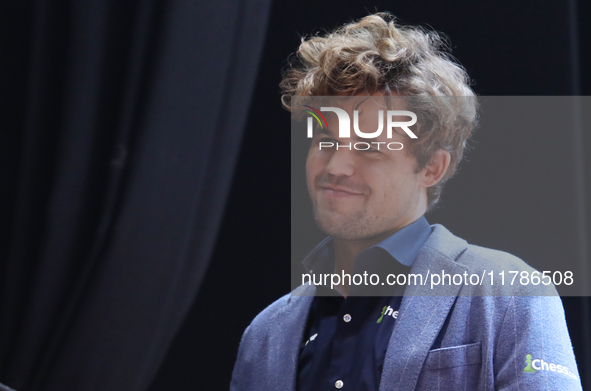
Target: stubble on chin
(352,227)
(361,224)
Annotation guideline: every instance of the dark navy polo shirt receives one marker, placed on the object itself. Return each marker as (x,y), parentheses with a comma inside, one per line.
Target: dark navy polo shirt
(345,340)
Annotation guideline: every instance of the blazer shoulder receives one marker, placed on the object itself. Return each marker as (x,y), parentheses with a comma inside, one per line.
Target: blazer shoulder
(491,259)
(271,338)
(255,338)
(482,260)
(485,261)
(274,313)
(475,257)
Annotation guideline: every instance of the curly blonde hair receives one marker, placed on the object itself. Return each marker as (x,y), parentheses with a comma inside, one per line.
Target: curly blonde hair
(374,55)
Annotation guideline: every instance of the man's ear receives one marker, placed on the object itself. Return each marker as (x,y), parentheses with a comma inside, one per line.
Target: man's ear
(436,168)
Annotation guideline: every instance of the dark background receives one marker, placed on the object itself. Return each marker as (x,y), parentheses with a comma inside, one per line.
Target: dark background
(508,48)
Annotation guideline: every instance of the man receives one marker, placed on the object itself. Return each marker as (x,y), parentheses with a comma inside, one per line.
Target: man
(371,199)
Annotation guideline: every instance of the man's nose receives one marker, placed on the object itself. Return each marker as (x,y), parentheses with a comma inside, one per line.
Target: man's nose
(341,162)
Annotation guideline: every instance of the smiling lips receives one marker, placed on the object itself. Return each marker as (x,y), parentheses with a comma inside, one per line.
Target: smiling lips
(338,192)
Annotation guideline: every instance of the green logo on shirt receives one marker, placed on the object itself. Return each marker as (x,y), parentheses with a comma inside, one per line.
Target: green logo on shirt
(388,311)
(383,312)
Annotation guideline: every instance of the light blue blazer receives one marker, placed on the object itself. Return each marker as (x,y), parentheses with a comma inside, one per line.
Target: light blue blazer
(493,339)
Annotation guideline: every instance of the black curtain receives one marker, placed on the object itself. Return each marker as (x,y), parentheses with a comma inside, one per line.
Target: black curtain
(121,128)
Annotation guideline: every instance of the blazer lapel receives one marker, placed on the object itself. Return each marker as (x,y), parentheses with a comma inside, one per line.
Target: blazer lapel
(289,324)
(423,311)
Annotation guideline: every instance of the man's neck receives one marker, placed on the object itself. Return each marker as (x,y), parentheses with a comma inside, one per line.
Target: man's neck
(346,251)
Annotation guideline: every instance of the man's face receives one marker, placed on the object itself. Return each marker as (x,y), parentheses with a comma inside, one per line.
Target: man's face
(362,194)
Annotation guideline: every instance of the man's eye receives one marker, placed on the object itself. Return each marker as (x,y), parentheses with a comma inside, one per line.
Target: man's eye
(327,140)
(370,150)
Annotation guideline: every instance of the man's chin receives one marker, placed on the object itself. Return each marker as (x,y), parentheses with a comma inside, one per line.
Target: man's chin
(346,234)
(347,230)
